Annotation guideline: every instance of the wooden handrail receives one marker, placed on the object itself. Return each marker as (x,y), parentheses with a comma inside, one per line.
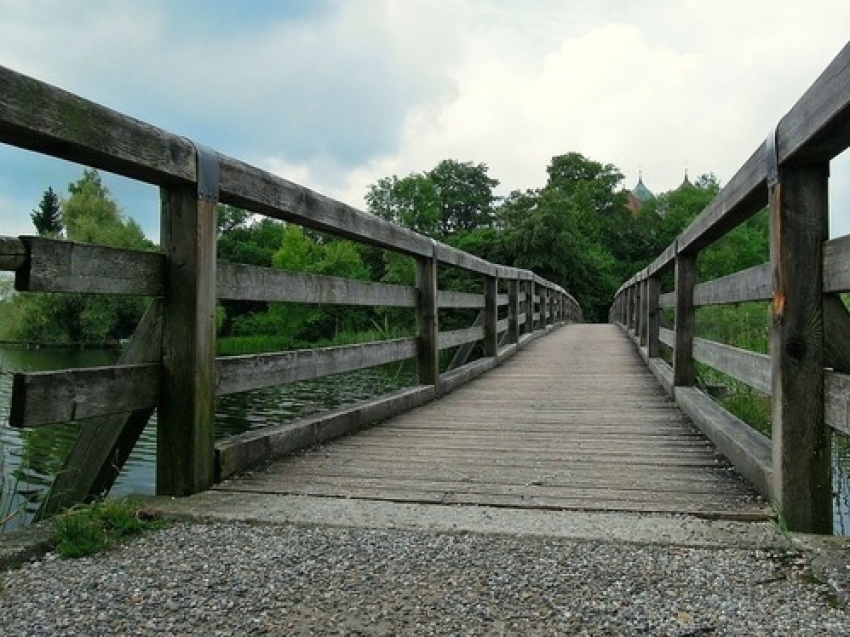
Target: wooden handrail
(170,364)
(807,323)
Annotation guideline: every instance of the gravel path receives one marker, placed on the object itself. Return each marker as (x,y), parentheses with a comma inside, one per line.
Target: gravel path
(236,579)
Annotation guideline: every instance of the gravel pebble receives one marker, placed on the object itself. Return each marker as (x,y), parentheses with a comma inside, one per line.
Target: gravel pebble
(243,579)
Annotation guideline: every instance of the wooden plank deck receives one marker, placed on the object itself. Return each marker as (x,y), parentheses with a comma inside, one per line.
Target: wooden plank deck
(573,421)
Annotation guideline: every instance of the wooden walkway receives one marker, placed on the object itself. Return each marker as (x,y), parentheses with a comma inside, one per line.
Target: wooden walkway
(554,428)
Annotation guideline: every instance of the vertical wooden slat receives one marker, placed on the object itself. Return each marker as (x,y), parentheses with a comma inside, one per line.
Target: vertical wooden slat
(513,311)
(683,355)
(426,318)
(644,313)
(801,443)
(491,316)
(653,291)
(532,307)
(185,436)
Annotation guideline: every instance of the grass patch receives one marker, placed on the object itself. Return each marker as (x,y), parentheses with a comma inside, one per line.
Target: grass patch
(91,528)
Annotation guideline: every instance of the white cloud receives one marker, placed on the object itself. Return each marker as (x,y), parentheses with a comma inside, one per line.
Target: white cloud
(338,94)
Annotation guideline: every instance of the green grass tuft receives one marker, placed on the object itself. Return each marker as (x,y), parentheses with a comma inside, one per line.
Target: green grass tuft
(91,528)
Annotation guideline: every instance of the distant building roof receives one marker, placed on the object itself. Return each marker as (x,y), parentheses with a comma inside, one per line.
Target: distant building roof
(686,183)
(641,192)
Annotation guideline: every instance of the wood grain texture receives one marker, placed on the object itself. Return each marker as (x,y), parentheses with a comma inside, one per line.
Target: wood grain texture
(683,351)
(185,416)
(46,398)
(747,367)
(13,253)
(573,420)
(801,442)
(447,299)
(55,265)
(255,371)
(837,401)
(454,338)
(103,445)
(836,265)
(752,284)
(252,283)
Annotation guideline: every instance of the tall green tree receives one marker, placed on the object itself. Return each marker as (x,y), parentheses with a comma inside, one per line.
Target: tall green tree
(90,215)
(453,197)
(47,219)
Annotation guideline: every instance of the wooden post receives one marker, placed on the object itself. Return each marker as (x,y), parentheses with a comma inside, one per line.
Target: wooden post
(632,324)
(644,313)
(185,435)
(532,306)
(802,480)
(428,347)
(513,311)
(491,316)
(683,355)
(653,292)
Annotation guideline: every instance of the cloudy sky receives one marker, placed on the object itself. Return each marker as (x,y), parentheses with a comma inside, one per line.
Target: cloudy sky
(335,94)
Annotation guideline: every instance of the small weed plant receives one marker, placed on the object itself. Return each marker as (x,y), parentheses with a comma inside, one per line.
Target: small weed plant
(91,528)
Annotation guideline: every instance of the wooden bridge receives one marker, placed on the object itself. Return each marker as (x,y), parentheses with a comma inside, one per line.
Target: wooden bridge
(569,420)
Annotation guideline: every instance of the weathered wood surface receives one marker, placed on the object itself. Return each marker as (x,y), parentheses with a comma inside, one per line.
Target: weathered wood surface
(752,284)
(65,266)
(801,442)
(103,445)
(252,283)
(836,265)
(46,398)
(255,371)
(13,253)
(743,365)
(572,421)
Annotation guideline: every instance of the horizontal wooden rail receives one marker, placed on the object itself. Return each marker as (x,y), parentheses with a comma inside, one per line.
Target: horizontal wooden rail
(455,338)
(252,283)
(837,399)
(243,373)
(752,284)
(447,299)
(836,265)
(43,398)
(744,366)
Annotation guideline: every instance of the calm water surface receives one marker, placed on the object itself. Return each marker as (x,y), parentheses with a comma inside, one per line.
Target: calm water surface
(29,459)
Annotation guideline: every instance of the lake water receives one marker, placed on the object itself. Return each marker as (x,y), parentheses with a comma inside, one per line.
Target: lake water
(30,458)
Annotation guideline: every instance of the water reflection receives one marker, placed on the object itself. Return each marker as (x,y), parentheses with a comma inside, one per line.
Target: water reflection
(29,459)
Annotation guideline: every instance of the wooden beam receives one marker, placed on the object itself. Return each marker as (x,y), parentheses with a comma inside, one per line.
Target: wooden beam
(428,342)
(683,352)
(253,283)
(103,445)
(491,316)
(185,432)
(836,265)
(801,442)
(653,287)
(255,371)
(747,367)
(837,401)
(55,265)
(447,299)
(514,326)
(13,253)
(752,284)
(46,398)
(455,338)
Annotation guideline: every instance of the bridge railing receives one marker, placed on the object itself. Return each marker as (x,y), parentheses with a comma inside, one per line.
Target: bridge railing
(806,370)
(170,364)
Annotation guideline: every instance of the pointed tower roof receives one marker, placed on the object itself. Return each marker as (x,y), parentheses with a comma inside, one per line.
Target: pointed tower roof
(686,183)
(640,191)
